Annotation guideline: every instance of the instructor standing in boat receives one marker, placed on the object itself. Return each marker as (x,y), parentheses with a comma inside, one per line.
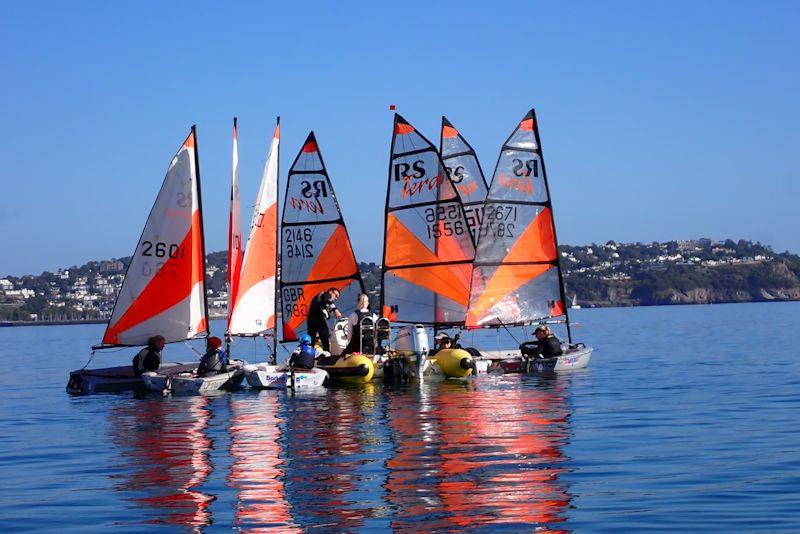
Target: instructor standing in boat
(320,310)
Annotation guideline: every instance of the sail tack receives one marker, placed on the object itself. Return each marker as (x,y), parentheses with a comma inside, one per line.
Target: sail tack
(465,172)
(315,248)
(516,279)
(234,230)
(254,308)
(428,249)
(164,288)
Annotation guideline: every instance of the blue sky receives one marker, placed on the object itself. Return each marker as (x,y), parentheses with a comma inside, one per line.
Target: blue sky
(659,120)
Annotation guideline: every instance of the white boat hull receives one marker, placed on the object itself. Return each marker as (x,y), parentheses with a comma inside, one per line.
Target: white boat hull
(188,383)
(264,376)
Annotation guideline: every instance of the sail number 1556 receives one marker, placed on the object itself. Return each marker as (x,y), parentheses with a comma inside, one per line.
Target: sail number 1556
(444,221)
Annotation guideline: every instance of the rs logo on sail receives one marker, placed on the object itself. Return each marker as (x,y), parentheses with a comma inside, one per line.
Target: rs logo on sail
(311,191)
(415,171)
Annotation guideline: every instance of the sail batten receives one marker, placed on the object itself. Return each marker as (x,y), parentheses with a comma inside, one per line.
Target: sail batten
(517,277)
(428,247)
(254,307)
(163,292)
(316,253)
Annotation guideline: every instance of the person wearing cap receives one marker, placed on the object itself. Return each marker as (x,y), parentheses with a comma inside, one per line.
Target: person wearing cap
(319,311)
(442,341)
(213,361)
(547,345)
(304,355)
(149,358)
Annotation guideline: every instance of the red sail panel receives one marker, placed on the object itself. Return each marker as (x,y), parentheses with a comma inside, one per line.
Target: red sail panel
(234,231)
(517,277)
(429,250)
(316,253)
(164,288)
(465,172)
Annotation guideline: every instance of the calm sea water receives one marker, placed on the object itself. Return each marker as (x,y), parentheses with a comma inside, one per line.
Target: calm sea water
(686,419)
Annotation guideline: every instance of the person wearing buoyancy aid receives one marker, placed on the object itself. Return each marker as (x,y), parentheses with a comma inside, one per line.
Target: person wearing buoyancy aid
(214,360)
(548,344)
(304,355)
(355,318)
(149,358)
(319,311)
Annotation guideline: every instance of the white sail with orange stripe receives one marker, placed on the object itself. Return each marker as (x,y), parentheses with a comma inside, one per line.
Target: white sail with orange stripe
(164,288)
(234,230)
(517,276)
(428,249)
(254,304)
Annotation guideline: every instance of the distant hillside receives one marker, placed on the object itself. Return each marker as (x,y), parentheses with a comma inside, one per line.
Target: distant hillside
(612,274)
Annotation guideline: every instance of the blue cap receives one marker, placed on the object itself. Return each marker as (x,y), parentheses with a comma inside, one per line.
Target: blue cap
(305,339)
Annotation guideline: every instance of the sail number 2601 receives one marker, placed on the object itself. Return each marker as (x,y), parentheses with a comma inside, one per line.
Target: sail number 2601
(444,221)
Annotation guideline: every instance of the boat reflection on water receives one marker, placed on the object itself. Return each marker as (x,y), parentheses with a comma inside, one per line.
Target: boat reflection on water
(472,455)
(257,471)
(164,448)
(326,442)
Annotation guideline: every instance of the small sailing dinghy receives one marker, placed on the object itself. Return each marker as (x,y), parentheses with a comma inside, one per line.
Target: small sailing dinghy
(252,288)
(428,248)
(316,255)
(163,292)
(517,279)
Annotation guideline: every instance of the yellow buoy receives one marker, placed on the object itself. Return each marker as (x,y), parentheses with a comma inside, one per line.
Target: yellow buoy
(454,363)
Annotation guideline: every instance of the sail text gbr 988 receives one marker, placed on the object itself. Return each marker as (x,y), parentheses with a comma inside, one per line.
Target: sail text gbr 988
(428,248)
(315,248)
(517,276)
(164,288)
(253,310)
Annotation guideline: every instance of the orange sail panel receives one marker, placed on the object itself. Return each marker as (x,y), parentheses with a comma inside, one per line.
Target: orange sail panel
(234,231)
(316,253)
(254,304)
(517,276)
(465,171)
(164,288)
(427,262)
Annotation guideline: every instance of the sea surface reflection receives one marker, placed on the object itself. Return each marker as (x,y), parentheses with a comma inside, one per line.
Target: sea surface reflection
(431,456)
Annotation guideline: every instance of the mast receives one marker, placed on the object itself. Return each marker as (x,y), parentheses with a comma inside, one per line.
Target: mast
(277,245)
(555,235)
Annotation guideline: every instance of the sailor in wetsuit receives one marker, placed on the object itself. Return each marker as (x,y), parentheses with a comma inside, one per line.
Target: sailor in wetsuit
(547,344)
(214,361)
(318,313)
(362,311)
(442,341)
(304,355)
(149,358)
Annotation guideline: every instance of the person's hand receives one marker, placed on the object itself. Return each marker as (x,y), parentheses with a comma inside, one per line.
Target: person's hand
(338,314)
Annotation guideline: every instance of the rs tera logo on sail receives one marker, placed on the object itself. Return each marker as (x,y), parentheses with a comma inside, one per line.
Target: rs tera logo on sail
(522,172)
(415,171)
(311,192)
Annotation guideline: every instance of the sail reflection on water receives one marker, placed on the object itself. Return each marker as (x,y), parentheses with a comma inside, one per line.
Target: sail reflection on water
(326,441)
(480,456)
(164,447)
(257,471)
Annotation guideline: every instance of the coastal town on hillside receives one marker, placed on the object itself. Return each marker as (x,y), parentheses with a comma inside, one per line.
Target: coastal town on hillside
(610,274)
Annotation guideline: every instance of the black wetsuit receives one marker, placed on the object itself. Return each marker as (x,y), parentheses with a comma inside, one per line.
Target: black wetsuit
(318,322)
(549,347)
(147,359)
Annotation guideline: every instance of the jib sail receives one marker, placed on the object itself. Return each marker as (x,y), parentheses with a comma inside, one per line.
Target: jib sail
(315,248)
(253,311)
(428,249)
(164,288)
(517,276)
(465,172)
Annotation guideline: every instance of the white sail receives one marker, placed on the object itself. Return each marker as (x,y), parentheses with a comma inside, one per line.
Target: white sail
(164,288)
(254,304)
